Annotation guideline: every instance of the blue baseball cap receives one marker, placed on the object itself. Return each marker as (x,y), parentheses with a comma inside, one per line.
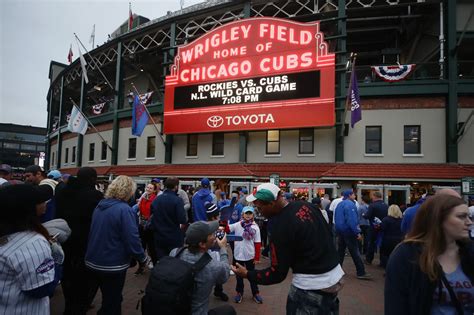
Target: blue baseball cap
(54,174)
(205,182)
(346,193)
(248,209)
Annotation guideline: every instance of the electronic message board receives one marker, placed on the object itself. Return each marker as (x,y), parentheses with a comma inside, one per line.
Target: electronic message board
(252,74)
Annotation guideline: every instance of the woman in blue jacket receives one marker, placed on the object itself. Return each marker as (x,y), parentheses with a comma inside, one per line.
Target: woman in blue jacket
(113,241)
(432,270)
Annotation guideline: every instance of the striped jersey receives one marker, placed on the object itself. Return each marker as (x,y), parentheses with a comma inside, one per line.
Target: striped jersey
(25,264)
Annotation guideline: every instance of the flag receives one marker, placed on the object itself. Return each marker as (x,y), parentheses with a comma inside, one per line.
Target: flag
(130,17)
(69,55)
(77,122)
(83,64)
(354,99)
(139,117)
(91,40)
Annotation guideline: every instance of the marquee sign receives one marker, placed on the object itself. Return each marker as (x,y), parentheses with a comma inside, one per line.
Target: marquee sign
(251,74)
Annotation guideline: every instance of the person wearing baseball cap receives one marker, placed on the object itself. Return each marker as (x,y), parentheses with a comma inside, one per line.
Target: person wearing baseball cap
(301,240)
(200,237)
(200,198)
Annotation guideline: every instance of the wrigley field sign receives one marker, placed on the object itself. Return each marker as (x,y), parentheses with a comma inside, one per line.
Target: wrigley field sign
(251,74)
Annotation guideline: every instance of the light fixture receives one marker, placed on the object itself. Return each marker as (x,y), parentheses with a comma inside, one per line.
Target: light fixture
(97,87)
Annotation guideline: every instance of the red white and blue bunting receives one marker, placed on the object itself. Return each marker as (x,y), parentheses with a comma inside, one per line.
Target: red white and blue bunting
(97,108)
(393,73)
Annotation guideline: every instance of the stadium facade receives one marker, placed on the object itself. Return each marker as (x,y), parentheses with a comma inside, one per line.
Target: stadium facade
(244,91)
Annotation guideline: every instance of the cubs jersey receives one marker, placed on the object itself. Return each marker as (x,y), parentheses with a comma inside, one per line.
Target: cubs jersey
(25,264)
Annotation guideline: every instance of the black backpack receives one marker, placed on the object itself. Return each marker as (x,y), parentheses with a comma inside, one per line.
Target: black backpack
(170,287)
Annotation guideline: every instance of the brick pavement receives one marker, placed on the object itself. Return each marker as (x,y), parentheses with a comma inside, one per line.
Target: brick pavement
(357,297)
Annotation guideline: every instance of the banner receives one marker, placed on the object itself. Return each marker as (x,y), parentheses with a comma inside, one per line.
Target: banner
(77,122)
(354,99)
(393,73)
(139,117)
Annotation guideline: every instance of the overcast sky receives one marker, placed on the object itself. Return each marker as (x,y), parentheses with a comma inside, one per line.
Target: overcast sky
(34,32)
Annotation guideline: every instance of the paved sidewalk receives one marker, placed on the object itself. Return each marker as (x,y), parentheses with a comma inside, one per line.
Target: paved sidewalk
(357,297)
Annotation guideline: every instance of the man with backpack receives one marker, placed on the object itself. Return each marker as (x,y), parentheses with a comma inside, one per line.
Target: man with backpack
(182,283)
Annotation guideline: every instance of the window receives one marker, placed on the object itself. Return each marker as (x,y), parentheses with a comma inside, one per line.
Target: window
(273,142)
(28,147)
(103,151)
(412,139)
(306,141)
(73,155)
(12,146)
(91,151)
(217,144)
(150,147)
(192,145)
(373,139)
(66,156)
(40,148)
(132,148)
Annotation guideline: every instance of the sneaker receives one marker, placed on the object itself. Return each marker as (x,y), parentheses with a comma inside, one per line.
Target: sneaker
(222,296)
(150,265)
(258,299)
(365,276)
(238,298)
(232,273)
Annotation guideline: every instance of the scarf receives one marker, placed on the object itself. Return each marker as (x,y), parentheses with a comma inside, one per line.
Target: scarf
(248,233)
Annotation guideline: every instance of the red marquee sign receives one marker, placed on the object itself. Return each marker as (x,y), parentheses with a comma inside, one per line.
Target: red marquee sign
(259,73)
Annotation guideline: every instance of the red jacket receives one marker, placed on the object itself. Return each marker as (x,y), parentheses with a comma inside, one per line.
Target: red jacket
(145,206)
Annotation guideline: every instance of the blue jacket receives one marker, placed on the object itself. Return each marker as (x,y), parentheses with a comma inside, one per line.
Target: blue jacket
(202,196)
(113,238)
(347,218)
(168,213)
(409,215)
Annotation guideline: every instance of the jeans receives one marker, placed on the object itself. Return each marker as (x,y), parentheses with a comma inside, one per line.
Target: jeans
(371,236)
(352,244)
(365,240)
(240,281)
(111,285)
(311,302)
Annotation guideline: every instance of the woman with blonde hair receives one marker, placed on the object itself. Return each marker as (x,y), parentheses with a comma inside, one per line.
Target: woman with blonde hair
(432,270)
(391,233)
(113,242)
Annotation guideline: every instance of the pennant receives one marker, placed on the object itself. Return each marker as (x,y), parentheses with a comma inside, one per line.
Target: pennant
(393,73)
(91,40)
(130,17)
(77,122)
(139,117)
(97,108)
(83,64)
(70,54)
(354,99)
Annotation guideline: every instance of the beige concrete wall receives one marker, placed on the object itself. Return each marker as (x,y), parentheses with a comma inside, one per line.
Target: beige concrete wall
(324,149)
(466,144)
(141,159)
(94,138)
(432,122)
(204,156)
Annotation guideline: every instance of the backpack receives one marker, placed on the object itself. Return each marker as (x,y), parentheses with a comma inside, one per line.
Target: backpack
(170,287)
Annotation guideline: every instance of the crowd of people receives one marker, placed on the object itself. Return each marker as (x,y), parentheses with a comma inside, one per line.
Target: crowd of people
(56,228)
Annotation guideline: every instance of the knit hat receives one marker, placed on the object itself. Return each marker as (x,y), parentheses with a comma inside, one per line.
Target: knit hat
(316,201)
(33,169)
(265,192)
(346,193)
(198,231)
(211,210)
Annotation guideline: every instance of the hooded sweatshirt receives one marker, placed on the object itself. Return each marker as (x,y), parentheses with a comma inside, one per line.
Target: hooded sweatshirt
(113,239)
(202,196)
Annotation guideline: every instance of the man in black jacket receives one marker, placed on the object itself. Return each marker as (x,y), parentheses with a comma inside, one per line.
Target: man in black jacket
(301,240)
(75,203)
(377,209)
(168,213)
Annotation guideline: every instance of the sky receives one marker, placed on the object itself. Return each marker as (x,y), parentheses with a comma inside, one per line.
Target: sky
(34,32)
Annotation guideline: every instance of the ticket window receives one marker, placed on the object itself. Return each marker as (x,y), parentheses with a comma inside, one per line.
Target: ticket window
(301,193)
(397,194)
(234,185)
(328,188)
(187,185)
(367,191)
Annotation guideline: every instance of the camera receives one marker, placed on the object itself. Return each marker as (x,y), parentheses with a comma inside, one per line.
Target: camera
(220,234)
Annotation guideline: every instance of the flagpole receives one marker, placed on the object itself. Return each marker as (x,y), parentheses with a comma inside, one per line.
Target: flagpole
(93,36)
(92,125)
(95,64)
(352,59)
(149,115)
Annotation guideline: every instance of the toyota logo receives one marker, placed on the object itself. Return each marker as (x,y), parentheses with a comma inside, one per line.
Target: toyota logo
(215,121)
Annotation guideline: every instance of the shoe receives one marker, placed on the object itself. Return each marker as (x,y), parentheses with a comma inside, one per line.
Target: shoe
(258,299)
(222,296)
(232,273)
(238,298)
(150,265)
(365,276)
